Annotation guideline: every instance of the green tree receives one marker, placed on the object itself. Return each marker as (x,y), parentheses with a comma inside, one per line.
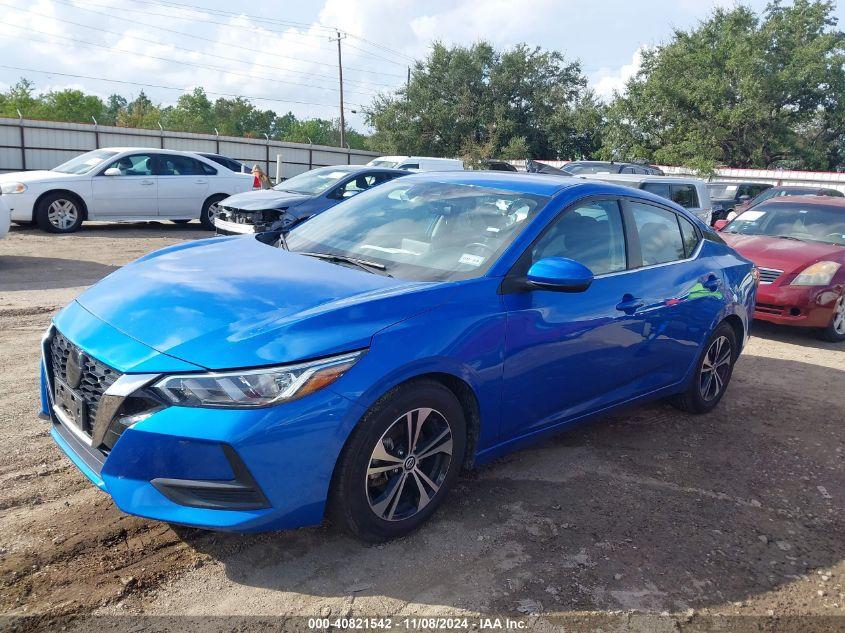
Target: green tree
(20,97)
(71,105)
(192,113)
(740,90)
(141,113)
(115,104)
(475,101)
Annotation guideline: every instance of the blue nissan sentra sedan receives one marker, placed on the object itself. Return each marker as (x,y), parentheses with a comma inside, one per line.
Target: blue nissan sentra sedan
(355,366)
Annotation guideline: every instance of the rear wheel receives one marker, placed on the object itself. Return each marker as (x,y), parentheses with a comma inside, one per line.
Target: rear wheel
(713,372)
(59,213)
(835,331)
(209,211)
(400,462)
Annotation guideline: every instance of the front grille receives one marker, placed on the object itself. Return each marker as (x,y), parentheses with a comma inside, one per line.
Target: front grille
(768,275)
(769,308)
(96,377)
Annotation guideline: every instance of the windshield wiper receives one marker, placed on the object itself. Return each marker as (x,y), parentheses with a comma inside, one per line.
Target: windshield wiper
(363,264)
(790,237)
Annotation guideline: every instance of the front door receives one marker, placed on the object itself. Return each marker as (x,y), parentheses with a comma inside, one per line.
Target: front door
(131,193)
(567,353)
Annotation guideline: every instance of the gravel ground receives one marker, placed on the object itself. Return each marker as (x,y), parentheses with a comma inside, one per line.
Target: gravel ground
(650,520)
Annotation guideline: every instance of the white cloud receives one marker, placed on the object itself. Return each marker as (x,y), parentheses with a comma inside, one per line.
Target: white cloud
(607,81)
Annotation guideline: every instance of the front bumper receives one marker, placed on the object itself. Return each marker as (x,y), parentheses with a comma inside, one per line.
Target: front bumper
(233,228)
(21,206)
(801,306)
(226,469)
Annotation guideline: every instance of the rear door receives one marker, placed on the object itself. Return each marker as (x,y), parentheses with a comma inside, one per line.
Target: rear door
(679,289)
(132,193)
(183,185)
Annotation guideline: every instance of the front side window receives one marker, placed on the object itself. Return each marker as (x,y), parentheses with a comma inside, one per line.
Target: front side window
(428,231)
(659,233)
(591,234)
(85,163)
(134,165)
(355,186)
(313,182)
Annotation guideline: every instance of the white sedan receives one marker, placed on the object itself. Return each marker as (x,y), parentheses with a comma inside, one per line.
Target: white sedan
(5,218)
(122,184)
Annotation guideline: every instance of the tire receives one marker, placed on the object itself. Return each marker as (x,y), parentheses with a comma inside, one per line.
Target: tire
(408,486)
(208,212)
(709,385)
(59,213)
(835,331)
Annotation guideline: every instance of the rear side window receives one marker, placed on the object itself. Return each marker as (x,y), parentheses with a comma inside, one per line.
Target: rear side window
(659,233)
(690,236)
(208,170)
(409,166)
(173,165)
(684,195)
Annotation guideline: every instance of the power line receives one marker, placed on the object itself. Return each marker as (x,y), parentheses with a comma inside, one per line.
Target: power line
(183,62)
(163,87)
(193,7)
(234,26)
(178,62)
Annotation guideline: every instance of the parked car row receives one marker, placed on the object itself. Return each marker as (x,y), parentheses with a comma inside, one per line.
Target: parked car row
(353,364)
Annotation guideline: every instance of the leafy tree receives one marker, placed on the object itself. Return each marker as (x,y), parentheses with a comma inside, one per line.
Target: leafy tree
(475,101)
(71,105)
(192,113)
(141,113)
(741,90)
(115,104)
(21,97)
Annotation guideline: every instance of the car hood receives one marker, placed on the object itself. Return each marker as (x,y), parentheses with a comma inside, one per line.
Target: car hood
(782,254)
(264,199)
(35,176)
(236,302)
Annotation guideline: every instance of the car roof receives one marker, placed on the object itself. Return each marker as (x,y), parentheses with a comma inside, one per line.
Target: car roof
(739,182)
(518,182)
(645,178)
(813,201)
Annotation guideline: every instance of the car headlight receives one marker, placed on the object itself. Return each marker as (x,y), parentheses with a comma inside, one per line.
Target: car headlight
(254,388)
(818,274)
(12,187)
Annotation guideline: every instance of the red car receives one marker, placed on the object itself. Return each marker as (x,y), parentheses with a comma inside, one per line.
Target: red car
(798,244)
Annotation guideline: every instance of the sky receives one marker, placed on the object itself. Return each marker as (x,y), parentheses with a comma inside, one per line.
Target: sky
(280,53)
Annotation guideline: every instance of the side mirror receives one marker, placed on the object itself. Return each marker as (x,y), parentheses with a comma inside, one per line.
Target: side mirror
(559,274)
(720,224)
(112,171)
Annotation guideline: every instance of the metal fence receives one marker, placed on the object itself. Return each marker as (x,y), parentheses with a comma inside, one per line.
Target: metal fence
(27,144)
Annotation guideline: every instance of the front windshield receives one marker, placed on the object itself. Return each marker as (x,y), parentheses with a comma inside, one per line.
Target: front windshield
(85,163)
(387,164)
(579,170)
(314,181)
(809,222)
(428,231)
(722,192)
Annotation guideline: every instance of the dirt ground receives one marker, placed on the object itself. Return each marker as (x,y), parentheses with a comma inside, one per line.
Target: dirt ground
(649,520)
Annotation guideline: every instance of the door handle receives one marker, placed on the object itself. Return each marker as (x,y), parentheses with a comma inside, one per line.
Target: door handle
(711,282)
(201,182)
(630,304)
(147,182)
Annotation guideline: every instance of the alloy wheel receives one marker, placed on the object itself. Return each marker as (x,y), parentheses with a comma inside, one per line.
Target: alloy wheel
(409,464)
(715,368)
(839,316)
(213,211)
(62,214)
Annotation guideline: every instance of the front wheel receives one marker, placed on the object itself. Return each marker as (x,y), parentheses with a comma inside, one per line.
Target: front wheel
(713,372)
(400,462)
(835,331)
(209,211)
(59,213)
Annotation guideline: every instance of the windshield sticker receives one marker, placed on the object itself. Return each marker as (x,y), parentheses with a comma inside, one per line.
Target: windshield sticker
(471,260)
(750,216)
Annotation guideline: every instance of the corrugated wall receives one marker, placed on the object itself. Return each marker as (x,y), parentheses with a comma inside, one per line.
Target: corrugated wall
(27,144)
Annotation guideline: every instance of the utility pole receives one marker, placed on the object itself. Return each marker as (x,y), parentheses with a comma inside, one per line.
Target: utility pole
(340,79)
